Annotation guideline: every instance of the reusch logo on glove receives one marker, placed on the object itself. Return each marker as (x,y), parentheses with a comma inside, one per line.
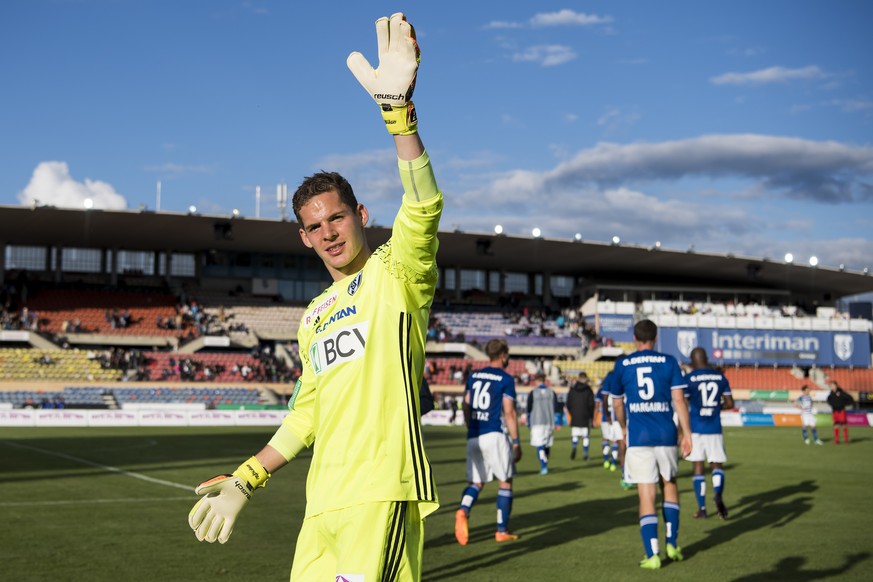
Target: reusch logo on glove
(389,97)
(243,489)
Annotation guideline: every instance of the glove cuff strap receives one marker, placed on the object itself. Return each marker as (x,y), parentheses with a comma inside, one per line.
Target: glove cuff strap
(253,473)
(400,119)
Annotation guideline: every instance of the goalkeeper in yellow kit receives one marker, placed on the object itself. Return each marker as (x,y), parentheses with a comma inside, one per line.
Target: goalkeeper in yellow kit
(362,342)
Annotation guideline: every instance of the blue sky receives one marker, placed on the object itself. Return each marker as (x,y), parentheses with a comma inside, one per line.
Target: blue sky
(740,127)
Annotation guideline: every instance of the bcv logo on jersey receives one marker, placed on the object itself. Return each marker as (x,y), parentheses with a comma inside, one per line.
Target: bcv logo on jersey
(343,345)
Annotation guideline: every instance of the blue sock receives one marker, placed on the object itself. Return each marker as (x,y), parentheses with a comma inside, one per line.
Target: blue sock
(671,519)
(605,450)
(717,482)
(649,532)
(585,443)
(575,442)
(469,497)
(614,459)
(543,457)
(814,434)
(804,433)
(504,508)
(699,482)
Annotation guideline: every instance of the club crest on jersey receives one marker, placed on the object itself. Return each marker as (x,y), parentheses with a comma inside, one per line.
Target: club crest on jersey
(355,284)
(686,341)
(311,316)
(844,346)
(343,345)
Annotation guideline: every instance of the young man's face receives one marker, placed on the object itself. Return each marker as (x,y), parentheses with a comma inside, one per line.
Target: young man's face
(336,232)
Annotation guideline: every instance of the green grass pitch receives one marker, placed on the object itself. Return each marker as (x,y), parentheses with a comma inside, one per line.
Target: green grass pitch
(111,504)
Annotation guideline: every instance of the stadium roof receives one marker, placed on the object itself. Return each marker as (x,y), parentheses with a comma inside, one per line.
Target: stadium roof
(599,263)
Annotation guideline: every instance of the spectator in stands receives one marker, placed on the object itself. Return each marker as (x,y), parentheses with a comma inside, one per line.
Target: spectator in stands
(839,401)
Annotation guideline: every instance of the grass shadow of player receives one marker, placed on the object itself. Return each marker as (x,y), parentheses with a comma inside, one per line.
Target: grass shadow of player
(791,568)
(541,530)
(774,508)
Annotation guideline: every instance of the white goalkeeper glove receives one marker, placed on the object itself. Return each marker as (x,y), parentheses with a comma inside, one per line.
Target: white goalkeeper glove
(224,497)
(391,85)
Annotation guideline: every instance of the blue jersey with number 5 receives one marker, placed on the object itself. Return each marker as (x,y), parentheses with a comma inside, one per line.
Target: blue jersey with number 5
(486,389)
(704,391)
(646,379)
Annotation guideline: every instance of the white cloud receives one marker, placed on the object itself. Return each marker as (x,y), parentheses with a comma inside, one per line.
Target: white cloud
(546,55)
(853,105)
(502,24)
(770,75)
(797,168)
(568,17)
(565,17)
(52,184)
(615,119)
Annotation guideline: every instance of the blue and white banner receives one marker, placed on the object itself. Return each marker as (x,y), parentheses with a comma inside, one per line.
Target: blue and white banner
(619,328)
(758,346)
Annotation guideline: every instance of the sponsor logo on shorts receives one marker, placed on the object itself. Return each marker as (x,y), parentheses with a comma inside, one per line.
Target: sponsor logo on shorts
(349,578)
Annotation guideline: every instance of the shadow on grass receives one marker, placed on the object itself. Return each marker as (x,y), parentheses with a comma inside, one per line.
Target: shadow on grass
(540,530)
(791,568)
(774,508)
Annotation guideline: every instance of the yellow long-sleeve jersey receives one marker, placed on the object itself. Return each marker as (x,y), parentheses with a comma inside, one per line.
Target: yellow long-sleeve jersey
(362,344)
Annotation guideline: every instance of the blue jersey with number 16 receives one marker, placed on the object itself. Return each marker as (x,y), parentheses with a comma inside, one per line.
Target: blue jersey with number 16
(704,391)
(646,379)
(486,389)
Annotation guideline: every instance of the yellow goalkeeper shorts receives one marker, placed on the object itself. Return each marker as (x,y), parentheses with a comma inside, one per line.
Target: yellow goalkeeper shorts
(371,542)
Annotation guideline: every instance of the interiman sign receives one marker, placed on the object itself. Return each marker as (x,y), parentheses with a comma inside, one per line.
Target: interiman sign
(758,346)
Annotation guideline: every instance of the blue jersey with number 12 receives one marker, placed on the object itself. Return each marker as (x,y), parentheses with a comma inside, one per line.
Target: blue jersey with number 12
(486,389)
(646,379)
(705,390)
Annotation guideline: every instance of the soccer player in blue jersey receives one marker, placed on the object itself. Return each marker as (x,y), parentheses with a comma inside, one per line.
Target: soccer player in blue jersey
(607,423)
(493,446)
(649,387)
(807,415)
(707,391)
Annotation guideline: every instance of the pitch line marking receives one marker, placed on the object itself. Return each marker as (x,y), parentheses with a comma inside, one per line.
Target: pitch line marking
(100,466)
(84,501)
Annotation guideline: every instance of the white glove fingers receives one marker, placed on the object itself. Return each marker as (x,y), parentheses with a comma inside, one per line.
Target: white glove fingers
(360,68)
(197,513)
(226,530)
(203,529)
(396,32)
(214,529)
(382,36)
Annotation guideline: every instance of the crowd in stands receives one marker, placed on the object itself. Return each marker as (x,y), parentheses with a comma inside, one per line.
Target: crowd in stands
(731,307)
(524,326)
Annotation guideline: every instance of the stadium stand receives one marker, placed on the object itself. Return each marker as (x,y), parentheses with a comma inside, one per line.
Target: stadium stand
(19,364)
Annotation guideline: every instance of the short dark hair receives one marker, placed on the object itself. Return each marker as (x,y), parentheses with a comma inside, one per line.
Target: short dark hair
(645,331)
(698,357)
(319,183)
(495,347)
